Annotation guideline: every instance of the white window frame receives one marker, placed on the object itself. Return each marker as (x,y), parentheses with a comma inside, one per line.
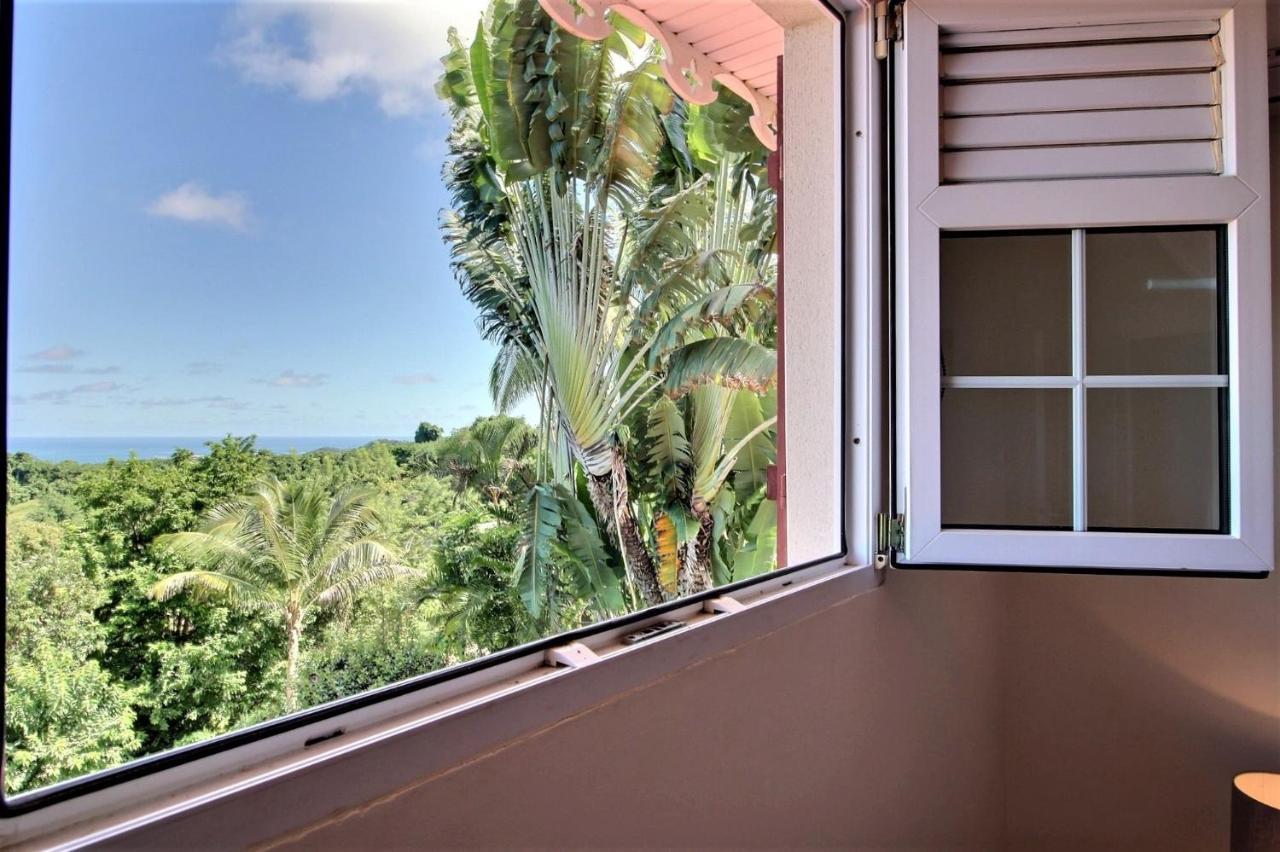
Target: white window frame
(300,772)
(1238,199)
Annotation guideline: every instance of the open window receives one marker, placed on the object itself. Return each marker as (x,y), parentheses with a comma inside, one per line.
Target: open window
(617,438)
(1081,301)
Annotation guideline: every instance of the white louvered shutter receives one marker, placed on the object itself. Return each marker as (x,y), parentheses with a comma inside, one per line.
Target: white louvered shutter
(1085,101)
(1070,118)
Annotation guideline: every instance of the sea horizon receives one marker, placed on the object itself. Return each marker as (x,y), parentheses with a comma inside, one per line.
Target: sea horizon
(99,449)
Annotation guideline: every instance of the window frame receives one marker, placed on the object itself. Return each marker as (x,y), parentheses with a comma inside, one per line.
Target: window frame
(1237,199)
(112,801)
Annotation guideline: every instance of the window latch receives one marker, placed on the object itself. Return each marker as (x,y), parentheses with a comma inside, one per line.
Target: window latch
(574,655)
(891,537)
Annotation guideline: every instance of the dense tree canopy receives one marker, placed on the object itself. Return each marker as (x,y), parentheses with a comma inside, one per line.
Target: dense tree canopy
(427,432)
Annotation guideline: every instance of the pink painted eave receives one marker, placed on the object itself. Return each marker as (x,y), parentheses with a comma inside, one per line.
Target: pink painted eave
(735,33)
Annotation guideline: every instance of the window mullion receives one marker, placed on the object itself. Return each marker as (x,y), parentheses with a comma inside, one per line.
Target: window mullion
(1079,466)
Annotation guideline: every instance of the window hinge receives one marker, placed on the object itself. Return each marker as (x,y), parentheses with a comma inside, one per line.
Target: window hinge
(888,26)
(891,536)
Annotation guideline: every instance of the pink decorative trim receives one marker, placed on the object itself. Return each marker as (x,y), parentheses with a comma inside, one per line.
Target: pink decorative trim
(689,72)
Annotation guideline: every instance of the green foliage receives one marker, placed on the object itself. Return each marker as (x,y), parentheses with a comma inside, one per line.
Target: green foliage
(287,549)
(427,432)
(469,592)
(64,715)
(99,672)
(353,659)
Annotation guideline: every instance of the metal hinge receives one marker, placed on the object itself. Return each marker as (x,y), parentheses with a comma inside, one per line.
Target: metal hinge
(891,536)
(888,26)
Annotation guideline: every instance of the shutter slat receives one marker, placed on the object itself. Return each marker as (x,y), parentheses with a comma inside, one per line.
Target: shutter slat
(1081,60)
(1081,128)
(1088,93)
(1110,100)
(1168,158)
(1078,35)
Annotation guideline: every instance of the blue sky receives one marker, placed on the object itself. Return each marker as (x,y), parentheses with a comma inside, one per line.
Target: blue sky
(224,219)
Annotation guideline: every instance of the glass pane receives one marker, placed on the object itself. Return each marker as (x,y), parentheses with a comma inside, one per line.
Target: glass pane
(1006,458)
(1006,305)
(1154,459)
(1152,302)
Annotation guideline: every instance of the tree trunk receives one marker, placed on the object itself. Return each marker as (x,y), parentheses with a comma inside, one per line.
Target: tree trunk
(696,576)
(602,501)
(639,559)
(293,630)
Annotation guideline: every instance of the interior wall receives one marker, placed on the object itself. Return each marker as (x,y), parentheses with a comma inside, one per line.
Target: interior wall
(871,725)
(1130,703)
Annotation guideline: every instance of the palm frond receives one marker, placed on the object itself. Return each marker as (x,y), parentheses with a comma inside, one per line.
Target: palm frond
(534,560)
(716,306)
(352,584)
(209,586)
(724,361)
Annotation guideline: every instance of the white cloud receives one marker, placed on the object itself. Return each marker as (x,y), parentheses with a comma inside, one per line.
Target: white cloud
(210,401)
(320,50)
(61,352)
(415,379)
(62,367)
(64,395)
(290,379)
(192,202)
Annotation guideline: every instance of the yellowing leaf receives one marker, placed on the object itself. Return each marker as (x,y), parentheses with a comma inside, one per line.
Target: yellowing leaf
(668,553)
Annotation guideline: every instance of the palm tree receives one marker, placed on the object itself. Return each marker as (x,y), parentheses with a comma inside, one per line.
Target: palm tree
(613,240)
(290,549)
(492,456)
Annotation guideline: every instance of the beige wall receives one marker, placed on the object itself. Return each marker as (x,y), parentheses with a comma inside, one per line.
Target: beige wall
(944,711)
(872,725)
(1129,703)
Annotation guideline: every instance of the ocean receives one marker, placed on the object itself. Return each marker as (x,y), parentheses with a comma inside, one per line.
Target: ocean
(95,450)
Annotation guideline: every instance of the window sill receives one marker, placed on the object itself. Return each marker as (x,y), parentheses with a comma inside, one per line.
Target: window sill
(280,785)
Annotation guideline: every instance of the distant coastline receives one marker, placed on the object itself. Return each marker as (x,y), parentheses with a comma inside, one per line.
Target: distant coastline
(98,450)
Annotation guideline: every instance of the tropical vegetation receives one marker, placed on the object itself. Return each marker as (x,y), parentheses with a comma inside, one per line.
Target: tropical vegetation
(618,245)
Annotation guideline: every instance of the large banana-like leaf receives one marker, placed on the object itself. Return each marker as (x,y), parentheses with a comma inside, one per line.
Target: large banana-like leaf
(668,232)
(456,85)
(758,452)
(668,444)
(710,406)
(583,546)
(535,553)
(718,305)
(634,135)
(759,554)
(668,552)
(722,126)
(724,361)
(506,23)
